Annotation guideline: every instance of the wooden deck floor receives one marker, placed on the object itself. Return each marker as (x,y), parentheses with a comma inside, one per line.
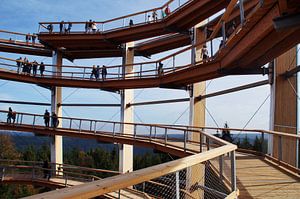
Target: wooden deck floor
(257,178)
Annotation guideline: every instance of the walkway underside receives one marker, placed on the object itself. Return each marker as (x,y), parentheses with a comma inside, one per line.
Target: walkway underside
(180,21)
(252,46)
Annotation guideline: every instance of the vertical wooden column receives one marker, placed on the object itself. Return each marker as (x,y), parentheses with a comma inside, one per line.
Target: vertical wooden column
(196,174)
(285,107)
(126,151)
(56,145)
(197,108)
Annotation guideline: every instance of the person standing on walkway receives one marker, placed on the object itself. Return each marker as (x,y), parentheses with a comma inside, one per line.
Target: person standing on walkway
(42,68)
(69,28)
(9,115)
(61,27)
(98,72)
(94,72)
(46,118)
(104,72)
(94,27)
(55,121)
(19,64)
(13,117)
(34,67)
(33,38)
(204,53)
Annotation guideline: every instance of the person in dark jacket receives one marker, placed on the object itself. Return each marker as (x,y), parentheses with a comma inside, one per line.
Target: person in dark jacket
(46,118)
(42,68)
(9,115)
(55,121)
(34,67)
(104,72)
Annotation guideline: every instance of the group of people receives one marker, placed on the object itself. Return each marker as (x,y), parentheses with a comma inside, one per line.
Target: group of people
(54,119)
(27,66)
(63,28)
(96,71)
(154,16)
(11,116)
(29,37)
(91,26)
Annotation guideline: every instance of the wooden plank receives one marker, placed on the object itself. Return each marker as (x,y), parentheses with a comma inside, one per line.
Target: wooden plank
(285,114)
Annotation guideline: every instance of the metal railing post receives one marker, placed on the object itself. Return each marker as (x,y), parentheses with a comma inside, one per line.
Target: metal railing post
(233,171)
(262,142)
(21,119)
(80,125)
(166,136)
(114,128)
(95,127)
(33,123)
(185,138)
(173,62)
(223,32)
(201,142)
(207,143)
(70,124)
(150,133)
(177,185)
(134,130)
(279,148)
(91,124)
(242,14)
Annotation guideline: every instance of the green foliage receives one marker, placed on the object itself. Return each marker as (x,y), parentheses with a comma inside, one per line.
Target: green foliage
(7,149)
(246,143)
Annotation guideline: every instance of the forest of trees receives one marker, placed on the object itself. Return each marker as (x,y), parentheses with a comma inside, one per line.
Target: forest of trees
(93,158)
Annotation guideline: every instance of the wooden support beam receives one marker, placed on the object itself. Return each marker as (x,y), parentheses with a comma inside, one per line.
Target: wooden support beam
(282,6)
(224,18)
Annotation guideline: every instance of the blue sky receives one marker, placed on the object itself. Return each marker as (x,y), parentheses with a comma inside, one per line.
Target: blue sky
(23,16)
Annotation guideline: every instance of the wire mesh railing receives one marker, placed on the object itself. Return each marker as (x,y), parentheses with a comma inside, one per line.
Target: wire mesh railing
(60,174)
(194,181)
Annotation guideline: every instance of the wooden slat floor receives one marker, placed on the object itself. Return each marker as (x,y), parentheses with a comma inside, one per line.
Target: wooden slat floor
(257,178)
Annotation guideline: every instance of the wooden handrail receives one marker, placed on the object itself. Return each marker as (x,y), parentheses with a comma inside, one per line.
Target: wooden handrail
(16,33)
